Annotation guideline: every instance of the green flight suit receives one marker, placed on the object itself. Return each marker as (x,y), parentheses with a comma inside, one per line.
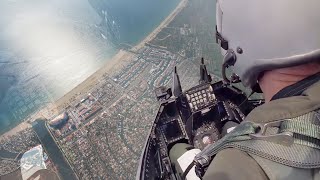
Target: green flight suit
(232,163)
(235,164)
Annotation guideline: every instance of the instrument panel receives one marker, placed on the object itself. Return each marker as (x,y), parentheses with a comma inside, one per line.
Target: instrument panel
(172,131)
(198,117)
(200,97)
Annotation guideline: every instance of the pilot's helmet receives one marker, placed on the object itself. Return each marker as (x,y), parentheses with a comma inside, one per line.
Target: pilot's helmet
(267,34)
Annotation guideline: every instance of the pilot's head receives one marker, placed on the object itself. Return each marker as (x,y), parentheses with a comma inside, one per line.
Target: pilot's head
(259,36)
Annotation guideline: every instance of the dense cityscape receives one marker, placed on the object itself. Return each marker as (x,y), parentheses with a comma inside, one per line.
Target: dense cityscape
(13,154)
(102,131)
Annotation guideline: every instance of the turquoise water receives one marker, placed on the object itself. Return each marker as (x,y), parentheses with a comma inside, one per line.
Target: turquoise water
(47,47)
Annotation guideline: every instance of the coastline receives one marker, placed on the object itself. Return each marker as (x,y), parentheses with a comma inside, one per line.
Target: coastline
(117,62)
(20,127)
(163,24)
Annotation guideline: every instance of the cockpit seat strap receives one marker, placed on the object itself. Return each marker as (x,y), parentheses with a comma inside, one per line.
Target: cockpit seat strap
(292,142)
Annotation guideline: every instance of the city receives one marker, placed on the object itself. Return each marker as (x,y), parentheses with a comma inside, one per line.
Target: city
(102,131)
(108,143)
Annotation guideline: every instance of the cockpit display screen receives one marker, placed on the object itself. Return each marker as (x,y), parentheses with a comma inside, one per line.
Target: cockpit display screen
(220,111)
(172,130)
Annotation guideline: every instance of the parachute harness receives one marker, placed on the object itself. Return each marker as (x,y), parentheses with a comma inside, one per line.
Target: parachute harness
(292,142)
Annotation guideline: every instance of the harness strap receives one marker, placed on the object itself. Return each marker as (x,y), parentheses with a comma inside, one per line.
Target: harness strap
(304,133)
(295,143)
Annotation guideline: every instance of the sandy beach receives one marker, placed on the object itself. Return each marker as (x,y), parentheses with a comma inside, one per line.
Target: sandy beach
(121,59)
(163,24)
(15,130)
(117,62)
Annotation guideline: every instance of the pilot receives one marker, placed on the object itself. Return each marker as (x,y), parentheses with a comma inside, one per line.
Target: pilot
(273,45)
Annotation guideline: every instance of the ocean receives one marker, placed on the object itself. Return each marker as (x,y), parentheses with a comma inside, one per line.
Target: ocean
(47,47)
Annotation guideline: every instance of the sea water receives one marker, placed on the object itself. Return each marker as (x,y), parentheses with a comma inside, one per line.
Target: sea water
(47,47)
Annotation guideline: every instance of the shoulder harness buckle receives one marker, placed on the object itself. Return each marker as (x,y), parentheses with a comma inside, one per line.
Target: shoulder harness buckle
(284,138)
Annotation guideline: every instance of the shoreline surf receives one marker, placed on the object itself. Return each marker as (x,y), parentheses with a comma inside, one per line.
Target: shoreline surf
(118,61)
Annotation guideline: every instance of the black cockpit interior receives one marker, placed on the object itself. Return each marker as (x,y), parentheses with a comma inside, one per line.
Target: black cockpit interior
(197,116)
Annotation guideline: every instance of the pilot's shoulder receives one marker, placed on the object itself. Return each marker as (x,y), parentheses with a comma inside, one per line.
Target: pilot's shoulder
(234,164)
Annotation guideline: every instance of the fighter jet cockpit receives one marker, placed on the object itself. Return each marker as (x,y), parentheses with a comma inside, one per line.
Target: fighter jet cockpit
(198,116)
